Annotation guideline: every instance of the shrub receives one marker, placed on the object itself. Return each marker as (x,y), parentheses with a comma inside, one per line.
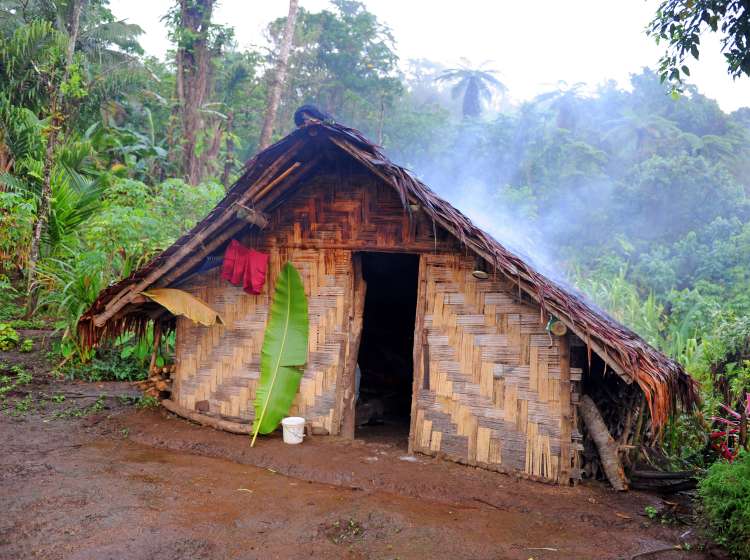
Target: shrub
(725,494)
(26,346)
(8,337)
(106,365)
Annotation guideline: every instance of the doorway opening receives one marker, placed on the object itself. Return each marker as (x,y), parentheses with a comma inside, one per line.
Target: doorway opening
(385,359)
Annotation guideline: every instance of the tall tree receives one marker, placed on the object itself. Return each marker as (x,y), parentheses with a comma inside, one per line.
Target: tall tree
(474,84)
(344,61)
(561,102)
(199,42)
(279,76)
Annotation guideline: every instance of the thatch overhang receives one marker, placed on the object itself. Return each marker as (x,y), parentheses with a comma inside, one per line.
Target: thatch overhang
(273,175)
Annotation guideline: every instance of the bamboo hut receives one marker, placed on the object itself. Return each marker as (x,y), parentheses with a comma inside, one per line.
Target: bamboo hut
(487,359)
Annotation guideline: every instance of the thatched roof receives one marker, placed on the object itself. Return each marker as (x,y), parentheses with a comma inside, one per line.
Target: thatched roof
(271,177)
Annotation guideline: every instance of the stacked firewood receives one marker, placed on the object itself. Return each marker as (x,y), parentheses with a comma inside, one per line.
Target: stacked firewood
(159,382)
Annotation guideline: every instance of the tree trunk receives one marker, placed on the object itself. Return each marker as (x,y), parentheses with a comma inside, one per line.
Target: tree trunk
(381,121)
(605,444)
(207,158)
(42,213)
(279,77)
(229,156)
(193,79)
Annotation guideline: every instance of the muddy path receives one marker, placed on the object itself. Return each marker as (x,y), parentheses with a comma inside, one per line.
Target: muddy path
(87,488)
(98,478)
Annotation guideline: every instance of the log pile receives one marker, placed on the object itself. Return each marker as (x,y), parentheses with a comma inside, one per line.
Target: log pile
(159,382)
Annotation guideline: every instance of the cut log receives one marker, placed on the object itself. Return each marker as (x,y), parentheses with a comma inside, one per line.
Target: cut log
(202,419)
(605,443)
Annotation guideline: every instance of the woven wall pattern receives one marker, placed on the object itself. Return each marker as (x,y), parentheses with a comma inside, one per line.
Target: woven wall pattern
(490,377)
(221,364)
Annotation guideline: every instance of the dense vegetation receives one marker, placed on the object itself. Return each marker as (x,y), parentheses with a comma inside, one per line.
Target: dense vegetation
(639,197)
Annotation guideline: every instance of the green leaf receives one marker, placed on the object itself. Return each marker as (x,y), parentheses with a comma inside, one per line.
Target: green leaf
(284,352)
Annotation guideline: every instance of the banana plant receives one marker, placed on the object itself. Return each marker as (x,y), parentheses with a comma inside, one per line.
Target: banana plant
(284,352)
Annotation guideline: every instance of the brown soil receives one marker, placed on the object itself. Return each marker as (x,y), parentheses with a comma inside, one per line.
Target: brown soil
(125,483)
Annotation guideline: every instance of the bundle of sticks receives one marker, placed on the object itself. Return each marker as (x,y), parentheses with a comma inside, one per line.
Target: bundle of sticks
(159,382)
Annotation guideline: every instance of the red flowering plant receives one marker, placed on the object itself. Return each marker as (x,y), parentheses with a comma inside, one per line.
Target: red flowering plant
(731,434)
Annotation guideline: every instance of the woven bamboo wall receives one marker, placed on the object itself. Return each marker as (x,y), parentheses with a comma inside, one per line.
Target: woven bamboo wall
(490,387)
(221,364)
(315,229)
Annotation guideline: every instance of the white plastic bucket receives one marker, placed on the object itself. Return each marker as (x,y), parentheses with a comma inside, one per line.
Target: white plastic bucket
(294,429)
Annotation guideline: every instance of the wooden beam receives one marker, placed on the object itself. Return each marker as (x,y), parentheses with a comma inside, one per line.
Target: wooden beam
(348,409)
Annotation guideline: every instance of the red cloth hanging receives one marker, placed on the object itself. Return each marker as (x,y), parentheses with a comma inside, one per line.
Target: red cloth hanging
(244,267)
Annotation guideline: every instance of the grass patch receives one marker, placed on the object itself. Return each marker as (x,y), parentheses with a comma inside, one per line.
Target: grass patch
(725,497)
(81,412)
(109,366)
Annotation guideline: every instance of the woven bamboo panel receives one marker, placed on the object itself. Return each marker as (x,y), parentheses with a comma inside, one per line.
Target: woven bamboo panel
(221,364)
(359,214)
(491,382)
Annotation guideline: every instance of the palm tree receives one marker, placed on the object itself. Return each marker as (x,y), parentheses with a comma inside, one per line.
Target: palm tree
(475,84)
(561,103)
(637,135)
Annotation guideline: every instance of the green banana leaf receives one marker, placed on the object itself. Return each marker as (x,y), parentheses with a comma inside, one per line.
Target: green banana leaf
(283,354)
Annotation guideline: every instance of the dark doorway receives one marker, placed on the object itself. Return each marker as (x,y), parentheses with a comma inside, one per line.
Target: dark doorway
(385,353)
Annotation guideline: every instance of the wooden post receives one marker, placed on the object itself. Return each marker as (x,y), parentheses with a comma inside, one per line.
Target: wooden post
(421,357)
(605,444)
(157,341)
(566,413)
(355,335)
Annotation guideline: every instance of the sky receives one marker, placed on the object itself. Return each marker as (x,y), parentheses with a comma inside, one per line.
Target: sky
(533,44)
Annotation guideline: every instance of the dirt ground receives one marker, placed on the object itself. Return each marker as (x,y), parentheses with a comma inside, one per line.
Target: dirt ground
(99,478)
